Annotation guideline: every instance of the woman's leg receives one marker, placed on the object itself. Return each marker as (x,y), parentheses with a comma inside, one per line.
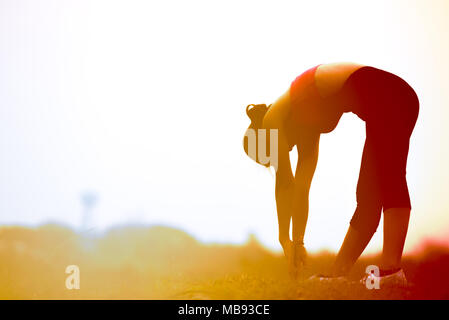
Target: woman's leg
(395,230)
(392,109)
(367,214)
(351,249)
(394,144)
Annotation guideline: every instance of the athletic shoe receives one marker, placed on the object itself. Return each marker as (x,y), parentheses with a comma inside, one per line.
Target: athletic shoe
(396,279)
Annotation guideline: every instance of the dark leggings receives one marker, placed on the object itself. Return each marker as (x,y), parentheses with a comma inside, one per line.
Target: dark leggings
(390,108)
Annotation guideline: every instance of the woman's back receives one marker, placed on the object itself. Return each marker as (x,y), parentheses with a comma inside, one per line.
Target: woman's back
(316,99)
(329,78)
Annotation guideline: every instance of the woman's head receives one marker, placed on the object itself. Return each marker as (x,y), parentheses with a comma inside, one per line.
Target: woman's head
(256,113)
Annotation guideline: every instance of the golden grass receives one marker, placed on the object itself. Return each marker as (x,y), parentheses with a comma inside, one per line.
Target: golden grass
(163,263)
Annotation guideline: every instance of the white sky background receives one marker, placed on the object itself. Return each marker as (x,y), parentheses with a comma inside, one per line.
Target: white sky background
(143,102)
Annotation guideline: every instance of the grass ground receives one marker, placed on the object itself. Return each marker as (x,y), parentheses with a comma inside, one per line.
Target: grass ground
(164,263)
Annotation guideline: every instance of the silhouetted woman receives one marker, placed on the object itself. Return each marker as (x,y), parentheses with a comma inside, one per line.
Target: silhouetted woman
(312,106)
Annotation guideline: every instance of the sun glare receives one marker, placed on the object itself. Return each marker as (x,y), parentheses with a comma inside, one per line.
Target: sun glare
(144,102)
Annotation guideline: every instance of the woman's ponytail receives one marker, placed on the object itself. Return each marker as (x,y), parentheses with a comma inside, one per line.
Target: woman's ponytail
(256,114)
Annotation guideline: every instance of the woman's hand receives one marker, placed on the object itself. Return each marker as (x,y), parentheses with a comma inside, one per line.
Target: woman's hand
(289,253)
(296,256)
(287,246)
(300,254)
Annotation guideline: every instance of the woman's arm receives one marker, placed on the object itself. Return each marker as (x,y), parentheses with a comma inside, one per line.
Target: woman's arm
(284,189)
(292,196)
(307,160)
(275,119)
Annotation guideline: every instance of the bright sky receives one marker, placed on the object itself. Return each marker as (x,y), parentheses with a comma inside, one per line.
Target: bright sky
(143,102)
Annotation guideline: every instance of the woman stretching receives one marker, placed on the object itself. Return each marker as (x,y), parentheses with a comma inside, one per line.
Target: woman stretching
(312,106)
